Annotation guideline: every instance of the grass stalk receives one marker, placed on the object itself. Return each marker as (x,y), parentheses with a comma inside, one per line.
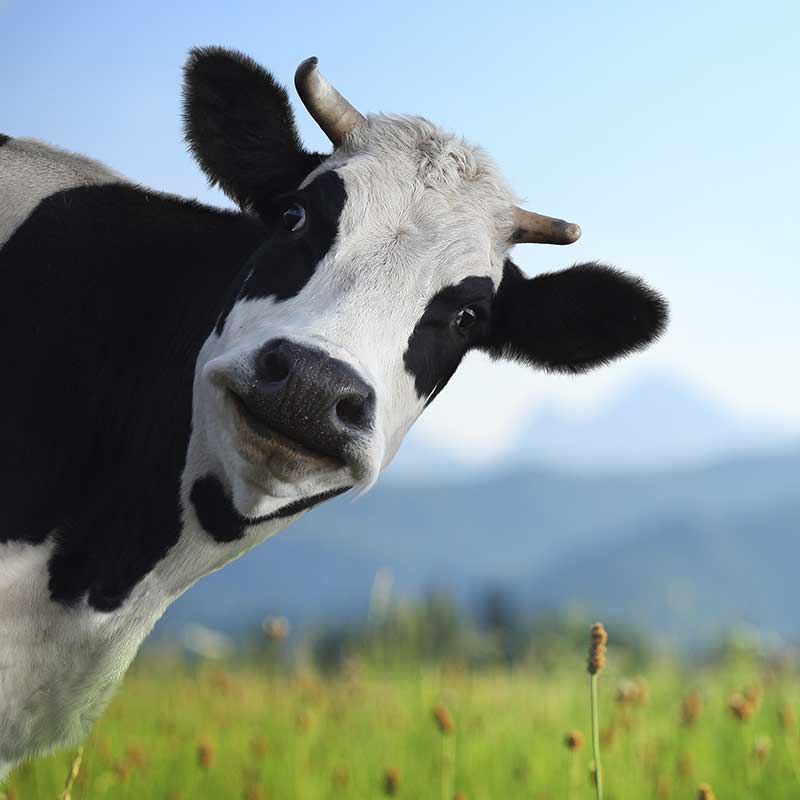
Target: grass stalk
(598,771)
(571,775)
(447,730)
(74,769)
(573,741)
(793,752)
(597,661)
(448,766)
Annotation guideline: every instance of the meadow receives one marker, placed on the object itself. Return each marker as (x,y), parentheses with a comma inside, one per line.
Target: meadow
(251,731)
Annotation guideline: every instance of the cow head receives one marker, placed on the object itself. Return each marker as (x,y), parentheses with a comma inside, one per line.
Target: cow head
(382,264)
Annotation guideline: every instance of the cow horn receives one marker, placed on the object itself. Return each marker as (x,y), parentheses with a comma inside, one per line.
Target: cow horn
(531,227)
(331,111)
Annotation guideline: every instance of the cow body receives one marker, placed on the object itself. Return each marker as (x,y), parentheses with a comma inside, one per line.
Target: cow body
(107,310)
(182,381)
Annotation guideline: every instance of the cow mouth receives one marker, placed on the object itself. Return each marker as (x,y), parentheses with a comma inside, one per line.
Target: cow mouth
(264,439)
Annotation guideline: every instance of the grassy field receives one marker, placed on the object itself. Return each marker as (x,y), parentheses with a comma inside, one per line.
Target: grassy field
(176,731)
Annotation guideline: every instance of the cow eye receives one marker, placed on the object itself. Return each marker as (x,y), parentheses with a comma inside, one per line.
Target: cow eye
(294,217)
(465,318)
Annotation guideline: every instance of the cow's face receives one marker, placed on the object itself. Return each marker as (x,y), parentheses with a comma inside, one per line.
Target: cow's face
(381,266)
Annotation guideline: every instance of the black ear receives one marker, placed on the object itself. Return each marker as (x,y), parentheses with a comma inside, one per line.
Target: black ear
(240,127)
(573,320)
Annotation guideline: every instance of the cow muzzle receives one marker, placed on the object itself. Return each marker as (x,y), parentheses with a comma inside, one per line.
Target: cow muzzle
(298,409)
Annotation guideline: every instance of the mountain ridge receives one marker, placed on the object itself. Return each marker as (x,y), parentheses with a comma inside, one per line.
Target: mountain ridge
(514,528)
(654,422)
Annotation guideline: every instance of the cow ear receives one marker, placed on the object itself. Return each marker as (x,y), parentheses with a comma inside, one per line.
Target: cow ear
(240,127)
(574,320)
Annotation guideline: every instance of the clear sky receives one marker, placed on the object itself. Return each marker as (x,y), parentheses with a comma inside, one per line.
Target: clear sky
(668,131)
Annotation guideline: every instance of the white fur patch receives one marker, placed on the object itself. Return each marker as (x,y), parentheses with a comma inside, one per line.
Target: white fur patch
(58,665)
(31,170)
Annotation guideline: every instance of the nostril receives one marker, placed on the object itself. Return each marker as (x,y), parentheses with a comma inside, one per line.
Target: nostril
(272,367)
(354,410)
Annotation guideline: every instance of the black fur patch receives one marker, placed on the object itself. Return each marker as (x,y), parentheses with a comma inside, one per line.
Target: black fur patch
(230,298)
(573,320)
(221,520)
(4,139)
(436,346)
(110,292)
(240,127)
(284,264)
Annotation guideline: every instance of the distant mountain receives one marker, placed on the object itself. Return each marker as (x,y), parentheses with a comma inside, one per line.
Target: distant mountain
(536,532)
(685,578)
(655,423)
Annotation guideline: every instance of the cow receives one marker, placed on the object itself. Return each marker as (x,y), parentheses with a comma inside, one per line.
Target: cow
(181,382)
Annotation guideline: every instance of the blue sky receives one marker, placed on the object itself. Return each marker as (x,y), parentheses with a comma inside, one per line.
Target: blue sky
(669,132)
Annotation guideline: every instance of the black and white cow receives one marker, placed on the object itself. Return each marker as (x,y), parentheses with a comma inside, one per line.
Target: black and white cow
(181,382)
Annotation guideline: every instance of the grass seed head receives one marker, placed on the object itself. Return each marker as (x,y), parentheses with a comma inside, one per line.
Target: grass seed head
(444,719)
(598,638)
(101,748)
(608,735)
(574,741)
(741,708)
(753,693)
(685,765)
(259,746)
(627,720)
(691,708)
(122,769)
(391,781)
(276,629)
(341,777)
(787,717)
(205,754)
(633,693)
(135,755)
(704,792)
(459,796)
(761,748)
(253,792)
(626,693)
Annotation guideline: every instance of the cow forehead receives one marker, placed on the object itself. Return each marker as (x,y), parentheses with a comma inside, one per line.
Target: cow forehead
(422,211)
(420,198)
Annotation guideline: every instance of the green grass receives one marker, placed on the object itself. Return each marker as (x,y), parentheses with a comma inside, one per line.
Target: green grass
(286,737)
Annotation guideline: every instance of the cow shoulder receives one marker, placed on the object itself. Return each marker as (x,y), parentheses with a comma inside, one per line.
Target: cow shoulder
(31,170)
(115,290)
